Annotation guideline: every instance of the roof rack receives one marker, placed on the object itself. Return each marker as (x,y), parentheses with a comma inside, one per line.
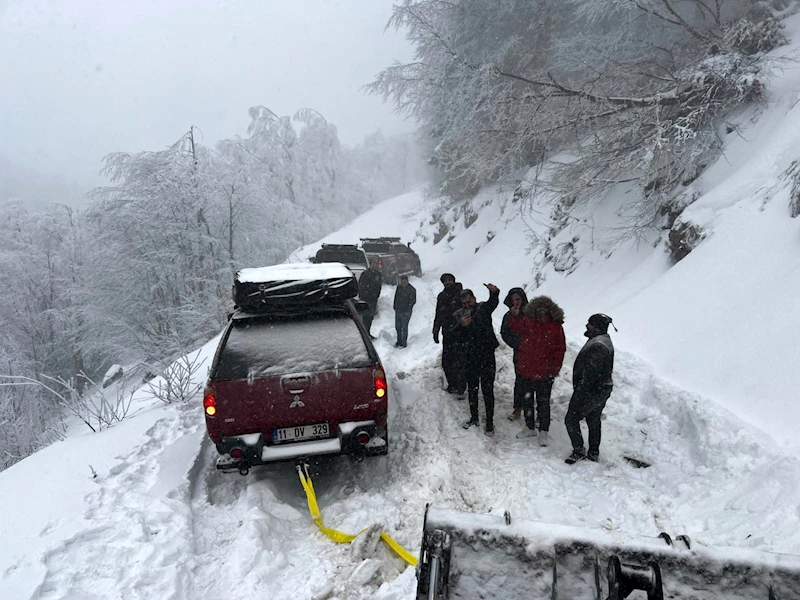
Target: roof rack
(355,246)
(380,239)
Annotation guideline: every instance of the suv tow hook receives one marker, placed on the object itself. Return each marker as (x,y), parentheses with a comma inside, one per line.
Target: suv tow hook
(244,469)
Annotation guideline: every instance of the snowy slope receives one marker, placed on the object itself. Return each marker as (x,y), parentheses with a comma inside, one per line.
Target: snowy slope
(160,522)
(706,354)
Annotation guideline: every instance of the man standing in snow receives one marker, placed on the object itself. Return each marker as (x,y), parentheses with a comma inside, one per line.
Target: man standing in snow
(474,332)
(404,300)
(448,302)
(369,290)
(516,298)
(540,357)
(592,385)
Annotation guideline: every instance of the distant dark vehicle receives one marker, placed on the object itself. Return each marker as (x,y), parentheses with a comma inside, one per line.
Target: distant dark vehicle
(394,258)
(350,255)
(298,376)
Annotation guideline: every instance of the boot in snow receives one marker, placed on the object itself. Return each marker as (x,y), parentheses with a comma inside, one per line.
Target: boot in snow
(526,433)
(470,423)
(578,454)
(593,456)
(514,416)
(543,438)
(489,431)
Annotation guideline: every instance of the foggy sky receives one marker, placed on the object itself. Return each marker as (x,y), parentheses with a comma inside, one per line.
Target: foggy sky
(82,78)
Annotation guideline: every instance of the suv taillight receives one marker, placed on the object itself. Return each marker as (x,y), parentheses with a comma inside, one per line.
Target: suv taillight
(380,383)
(210,400)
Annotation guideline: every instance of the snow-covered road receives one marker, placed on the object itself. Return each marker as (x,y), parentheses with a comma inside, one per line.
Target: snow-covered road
(163,523)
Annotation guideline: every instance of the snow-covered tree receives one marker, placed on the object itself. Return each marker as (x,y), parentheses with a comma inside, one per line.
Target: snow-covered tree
(158,262)
(626,89)
(145,273)
(45,328)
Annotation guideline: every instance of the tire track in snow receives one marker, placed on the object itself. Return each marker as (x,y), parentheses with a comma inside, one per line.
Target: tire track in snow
(254,534)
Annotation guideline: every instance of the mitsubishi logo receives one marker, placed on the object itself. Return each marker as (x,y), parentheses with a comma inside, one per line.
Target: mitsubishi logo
(297,403)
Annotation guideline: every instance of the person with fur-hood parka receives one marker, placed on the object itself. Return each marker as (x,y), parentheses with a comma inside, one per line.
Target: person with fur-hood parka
(540,356)
(515,297)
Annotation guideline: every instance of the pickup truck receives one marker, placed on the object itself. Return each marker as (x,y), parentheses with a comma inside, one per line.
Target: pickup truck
(350,255)
(394,259)
(295,374)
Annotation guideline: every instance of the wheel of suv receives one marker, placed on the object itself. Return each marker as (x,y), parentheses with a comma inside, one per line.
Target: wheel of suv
(393,274)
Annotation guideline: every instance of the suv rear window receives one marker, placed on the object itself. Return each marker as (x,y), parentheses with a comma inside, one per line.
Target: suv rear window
(376,247)
(309,343)
(347,257)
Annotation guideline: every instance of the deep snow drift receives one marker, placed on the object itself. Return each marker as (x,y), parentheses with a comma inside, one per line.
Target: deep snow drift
(704,382)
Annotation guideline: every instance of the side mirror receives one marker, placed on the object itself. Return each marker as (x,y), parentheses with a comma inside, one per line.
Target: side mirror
(361,306)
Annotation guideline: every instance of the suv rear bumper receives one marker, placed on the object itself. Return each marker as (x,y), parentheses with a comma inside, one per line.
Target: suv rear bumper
(257,452)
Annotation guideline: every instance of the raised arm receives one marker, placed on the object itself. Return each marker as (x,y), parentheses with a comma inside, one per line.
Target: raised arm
(494,297)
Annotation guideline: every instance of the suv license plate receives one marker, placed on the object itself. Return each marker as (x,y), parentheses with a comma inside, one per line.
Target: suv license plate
(301,432)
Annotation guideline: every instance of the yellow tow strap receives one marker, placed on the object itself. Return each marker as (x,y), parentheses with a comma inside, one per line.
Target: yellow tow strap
(338,536)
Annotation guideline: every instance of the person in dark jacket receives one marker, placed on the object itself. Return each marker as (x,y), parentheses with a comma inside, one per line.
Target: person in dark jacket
(539,359)
(592,386)
(369,290)
(404,300)
(516,298)
(474,333)
(448,302)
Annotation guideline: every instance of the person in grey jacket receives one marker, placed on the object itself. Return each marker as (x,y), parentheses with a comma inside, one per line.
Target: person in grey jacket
(405,297)
(592,386)
(516,297)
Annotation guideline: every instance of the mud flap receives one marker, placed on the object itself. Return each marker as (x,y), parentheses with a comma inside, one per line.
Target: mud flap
(484,556)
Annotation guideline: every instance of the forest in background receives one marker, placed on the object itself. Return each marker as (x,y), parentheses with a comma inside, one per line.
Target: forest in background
(596,92)
(143,273)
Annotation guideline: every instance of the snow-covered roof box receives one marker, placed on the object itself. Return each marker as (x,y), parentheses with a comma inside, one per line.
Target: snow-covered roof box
(294,272)
(301,284)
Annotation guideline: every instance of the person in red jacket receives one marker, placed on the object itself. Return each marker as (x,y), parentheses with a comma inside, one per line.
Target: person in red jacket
(539,358)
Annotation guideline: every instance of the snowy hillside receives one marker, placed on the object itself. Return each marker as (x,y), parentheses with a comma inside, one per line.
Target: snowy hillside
(705,391)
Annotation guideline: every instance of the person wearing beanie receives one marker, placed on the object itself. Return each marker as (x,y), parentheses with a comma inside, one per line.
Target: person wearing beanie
(369,290)
(516,297)
(448,302)
(540,357)
(592,386)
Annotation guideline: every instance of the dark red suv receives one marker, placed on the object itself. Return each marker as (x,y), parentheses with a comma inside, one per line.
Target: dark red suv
(293,382)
